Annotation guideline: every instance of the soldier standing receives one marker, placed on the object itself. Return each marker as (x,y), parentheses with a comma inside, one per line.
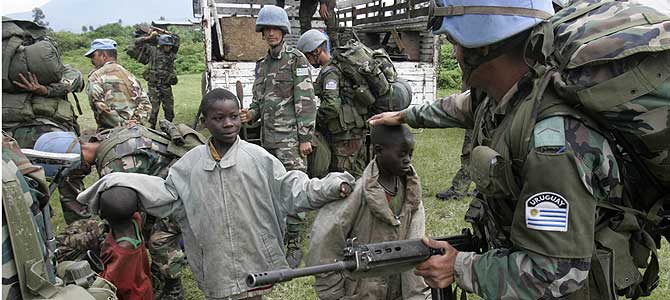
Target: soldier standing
(461,181)
(283,99)
(136,149)
(160,73)
(326,11)
(339,118)
(532,257)
(115,95)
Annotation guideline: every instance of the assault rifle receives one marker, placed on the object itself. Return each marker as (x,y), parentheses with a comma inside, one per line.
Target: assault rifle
(372,260)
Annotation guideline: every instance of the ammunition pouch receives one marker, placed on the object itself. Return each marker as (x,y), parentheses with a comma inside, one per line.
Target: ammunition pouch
(318,161)
(348,119)
(58,109)
(491,172)
(16,108)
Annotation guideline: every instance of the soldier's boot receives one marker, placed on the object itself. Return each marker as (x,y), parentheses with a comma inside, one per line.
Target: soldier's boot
(293,249)
(450,194)
(173,290)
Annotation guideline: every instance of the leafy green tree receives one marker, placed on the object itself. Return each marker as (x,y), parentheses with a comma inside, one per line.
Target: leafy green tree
(84,28)
(39,18)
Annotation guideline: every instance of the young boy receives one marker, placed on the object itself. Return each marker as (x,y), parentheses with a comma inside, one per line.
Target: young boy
(386,205)
(123,252)
(230,199)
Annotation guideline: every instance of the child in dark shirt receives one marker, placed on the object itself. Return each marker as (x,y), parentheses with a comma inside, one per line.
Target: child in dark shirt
(123,252)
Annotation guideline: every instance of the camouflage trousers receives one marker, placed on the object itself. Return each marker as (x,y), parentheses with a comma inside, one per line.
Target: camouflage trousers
(306,12)
(26,136)
(461,181)
(161,93)
(291,159)
(349,155)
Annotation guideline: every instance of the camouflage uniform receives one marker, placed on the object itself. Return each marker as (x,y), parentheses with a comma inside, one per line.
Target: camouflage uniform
(27,133)
(116,96)
(461,181)
(530,259)
(132,150)
(160,76)
(341,121)
(283,98)
(306,12)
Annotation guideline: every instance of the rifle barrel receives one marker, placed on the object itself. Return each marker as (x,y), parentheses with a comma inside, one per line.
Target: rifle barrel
(272,277)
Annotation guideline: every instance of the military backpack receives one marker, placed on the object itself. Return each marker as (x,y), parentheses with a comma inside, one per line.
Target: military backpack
(610,61)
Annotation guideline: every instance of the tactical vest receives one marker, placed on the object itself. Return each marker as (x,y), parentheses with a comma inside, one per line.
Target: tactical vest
(352,113)
(19,108)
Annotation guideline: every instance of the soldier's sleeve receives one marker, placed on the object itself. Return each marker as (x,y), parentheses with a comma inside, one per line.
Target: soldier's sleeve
(453,111)
(554,220)
(143,109)
(333,226)
(303,99)
(103,114)
(69,83)
(331,102)
(255,106)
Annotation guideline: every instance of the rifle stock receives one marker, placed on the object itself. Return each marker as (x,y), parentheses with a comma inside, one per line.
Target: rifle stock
(370,260)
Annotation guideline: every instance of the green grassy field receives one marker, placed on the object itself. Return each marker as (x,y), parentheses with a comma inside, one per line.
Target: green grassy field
(436,159)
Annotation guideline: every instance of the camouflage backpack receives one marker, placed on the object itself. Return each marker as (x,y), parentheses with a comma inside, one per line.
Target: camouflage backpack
(27,48)
(610,60)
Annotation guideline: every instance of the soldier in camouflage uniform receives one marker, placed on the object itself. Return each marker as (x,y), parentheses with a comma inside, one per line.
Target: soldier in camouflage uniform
(26,257)
(461,181)
(339,118)
(541,229)
(160,73)
(26,133)
(283,99)
(115,95)
(134,150)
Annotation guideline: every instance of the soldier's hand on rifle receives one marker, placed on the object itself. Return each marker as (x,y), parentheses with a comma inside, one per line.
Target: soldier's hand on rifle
(323,11)
(305,149)
(245,116)
(31,84)
(390,118)
(438,270)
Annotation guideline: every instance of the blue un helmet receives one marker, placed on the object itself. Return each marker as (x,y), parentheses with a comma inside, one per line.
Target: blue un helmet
(311,40)
(273,16)
(165,40)
(477,23)
(57,142)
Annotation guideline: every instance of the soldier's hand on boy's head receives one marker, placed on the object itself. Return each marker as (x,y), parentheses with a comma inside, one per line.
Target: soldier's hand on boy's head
(305,149)
(345,190)
(438,270)
(245,116)
(31,84)
(388,118)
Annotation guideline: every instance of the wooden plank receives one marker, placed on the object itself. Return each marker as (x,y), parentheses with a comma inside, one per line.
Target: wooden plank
(350,3)
(255,2)
(241,42)
(229,11)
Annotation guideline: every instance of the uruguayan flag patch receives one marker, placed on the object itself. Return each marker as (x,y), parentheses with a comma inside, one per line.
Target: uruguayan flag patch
(302,71)
(331,85)
(547,211)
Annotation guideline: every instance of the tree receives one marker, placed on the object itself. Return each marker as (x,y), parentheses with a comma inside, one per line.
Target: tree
(161,18)
(84,28)
(90,28)
(120,21)
(39,18)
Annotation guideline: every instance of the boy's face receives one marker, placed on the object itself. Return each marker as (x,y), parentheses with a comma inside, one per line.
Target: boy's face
(395,159)
(223,121)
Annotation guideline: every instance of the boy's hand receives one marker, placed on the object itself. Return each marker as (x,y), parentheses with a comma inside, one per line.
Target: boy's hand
(245,116)
(345,190)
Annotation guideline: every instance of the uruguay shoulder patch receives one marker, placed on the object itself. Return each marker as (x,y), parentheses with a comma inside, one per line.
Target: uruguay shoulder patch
(302,71)
(547,211)
(330,85)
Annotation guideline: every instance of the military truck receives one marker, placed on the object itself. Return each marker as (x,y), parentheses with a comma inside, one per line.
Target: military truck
(232,46)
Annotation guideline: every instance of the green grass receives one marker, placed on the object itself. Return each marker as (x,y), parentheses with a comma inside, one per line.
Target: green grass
(436,159)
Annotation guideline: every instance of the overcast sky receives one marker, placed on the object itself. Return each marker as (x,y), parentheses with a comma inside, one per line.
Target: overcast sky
(14,6)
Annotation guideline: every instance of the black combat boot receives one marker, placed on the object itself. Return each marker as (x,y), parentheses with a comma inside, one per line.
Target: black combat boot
(293,249)
(450,194)
(173,290)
